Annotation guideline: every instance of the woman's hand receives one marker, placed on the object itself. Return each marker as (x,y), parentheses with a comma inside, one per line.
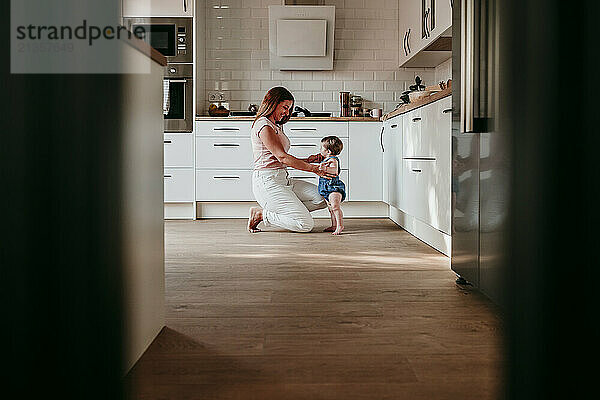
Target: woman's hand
(324,170)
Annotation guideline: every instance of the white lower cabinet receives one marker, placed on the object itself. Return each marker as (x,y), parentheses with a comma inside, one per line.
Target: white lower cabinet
(224,185)
(224,152)
(392,158)
(178,149)
(364,157)
(179,185)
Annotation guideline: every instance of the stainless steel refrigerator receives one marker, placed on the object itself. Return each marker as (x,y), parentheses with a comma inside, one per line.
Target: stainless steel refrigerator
(480,157)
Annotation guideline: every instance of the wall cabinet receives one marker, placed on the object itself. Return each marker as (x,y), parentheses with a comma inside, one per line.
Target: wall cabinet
(420,23)
(158,8)
(409,25)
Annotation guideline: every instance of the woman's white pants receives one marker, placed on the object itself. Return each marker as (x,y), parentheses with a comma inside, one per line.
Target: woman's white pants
(286,202)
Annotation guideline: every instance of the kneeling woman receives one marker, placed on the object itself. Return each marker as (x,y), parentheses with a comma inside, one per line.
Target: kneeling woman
(286,202)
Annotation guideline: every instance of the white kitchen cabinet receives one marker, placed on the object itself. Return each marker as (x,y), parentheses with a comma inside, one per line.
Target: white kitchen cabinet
(179,185)
(412,141)
(158,8)
(392,157)
(420,23)
(365,156)
(409,25)
(224,152)
(318,129)
(224,185)
(441,17)
(178,149)
(223,128)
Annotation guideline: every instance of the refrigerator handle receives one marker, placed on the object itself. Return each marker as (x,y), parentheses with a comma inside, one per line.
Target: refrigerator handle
(467,27)
(381,139)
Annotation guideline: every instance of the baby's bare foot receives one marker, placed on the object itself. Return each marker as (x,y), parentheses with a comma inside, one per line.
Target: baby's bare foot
(254,219)
(330,229)
(338,230)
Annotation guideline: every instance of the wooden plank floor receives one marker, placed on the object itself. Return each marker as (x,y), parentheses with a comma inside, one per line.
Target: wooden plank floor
(371,314)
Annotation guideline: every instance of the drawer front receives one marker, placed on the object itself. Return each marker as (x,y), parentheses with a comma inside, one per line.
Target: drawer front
(179,150)
(179,185)
(223,153)
(304,147)
(224,185)
(314,179)
(316,129)
(223,128)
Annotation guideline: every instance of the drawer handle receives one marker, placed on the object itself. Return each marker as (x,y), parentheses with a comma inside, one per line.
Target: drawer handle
(394,126)
(419,158)
(303,177)
(226,129)
(416,170)
(226,145)
(304,145)
(168,176)
(417,119)
(447,110)
(303,129)
(167,142)
(224,177)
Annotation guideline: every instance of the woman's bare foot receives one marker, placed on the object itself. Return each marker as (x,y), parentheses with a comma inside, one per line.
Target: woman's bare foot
(338,230)
(254,219)
(330,229)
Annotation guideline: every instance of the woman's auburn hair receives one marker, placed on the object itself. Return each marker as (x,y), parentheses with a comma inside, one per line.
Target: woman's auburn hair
(270,102)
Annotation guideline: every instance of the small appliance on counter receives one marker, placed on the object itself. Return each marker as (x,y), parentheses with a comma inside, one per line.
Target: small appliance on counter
(356,102)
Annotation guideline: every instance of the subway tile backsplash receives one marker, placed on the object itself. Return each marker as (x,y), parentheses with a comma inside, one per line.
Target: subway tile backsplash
(365,56)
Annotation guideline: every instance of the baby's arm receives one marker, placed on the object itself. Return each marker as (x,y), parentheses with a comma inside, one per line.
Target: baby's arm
(315,158)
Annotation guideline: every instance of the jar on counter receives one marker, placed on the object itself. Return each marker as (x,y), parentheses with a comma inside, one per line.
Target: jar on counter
(356,105)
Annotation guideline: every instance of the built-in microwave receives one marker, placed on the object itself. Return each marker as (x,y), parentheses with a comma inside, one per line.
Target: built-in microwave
(173,37)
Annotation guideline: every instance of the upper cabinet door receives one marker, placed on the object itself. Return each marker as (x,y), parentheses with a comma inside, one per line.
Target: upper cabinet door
(440,17)
(158,8)
(409,29)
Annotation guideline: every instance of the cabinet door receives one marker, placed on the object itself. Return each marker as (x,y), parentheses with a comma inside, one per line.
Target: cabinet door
(392,160)
(158,8)
(388,159)
(441,17)
(409,30)
(411,138)
(365,166)
(178,185)
(178,150)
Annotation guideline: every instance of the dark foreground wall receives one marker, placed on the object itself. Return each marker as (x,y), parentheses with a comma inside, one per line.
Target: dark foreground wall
(553,272)
(61,256)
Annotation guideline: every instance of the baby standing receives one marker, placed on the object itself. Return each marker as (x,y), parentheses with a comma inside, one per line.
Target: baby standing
(333,190)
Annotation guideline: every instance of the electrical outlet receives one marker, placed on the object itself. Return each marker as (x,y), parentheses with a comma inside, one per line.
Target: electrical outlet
(216,95)
(213,96)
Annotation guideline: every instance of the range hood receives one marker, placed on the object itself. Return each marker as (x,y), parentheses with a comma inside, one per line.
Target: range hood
(304,2)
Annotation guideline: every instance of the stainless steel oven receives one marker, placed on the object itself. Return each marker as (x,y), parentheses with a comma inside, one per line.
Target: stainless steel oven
(173,37)
(178,95)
